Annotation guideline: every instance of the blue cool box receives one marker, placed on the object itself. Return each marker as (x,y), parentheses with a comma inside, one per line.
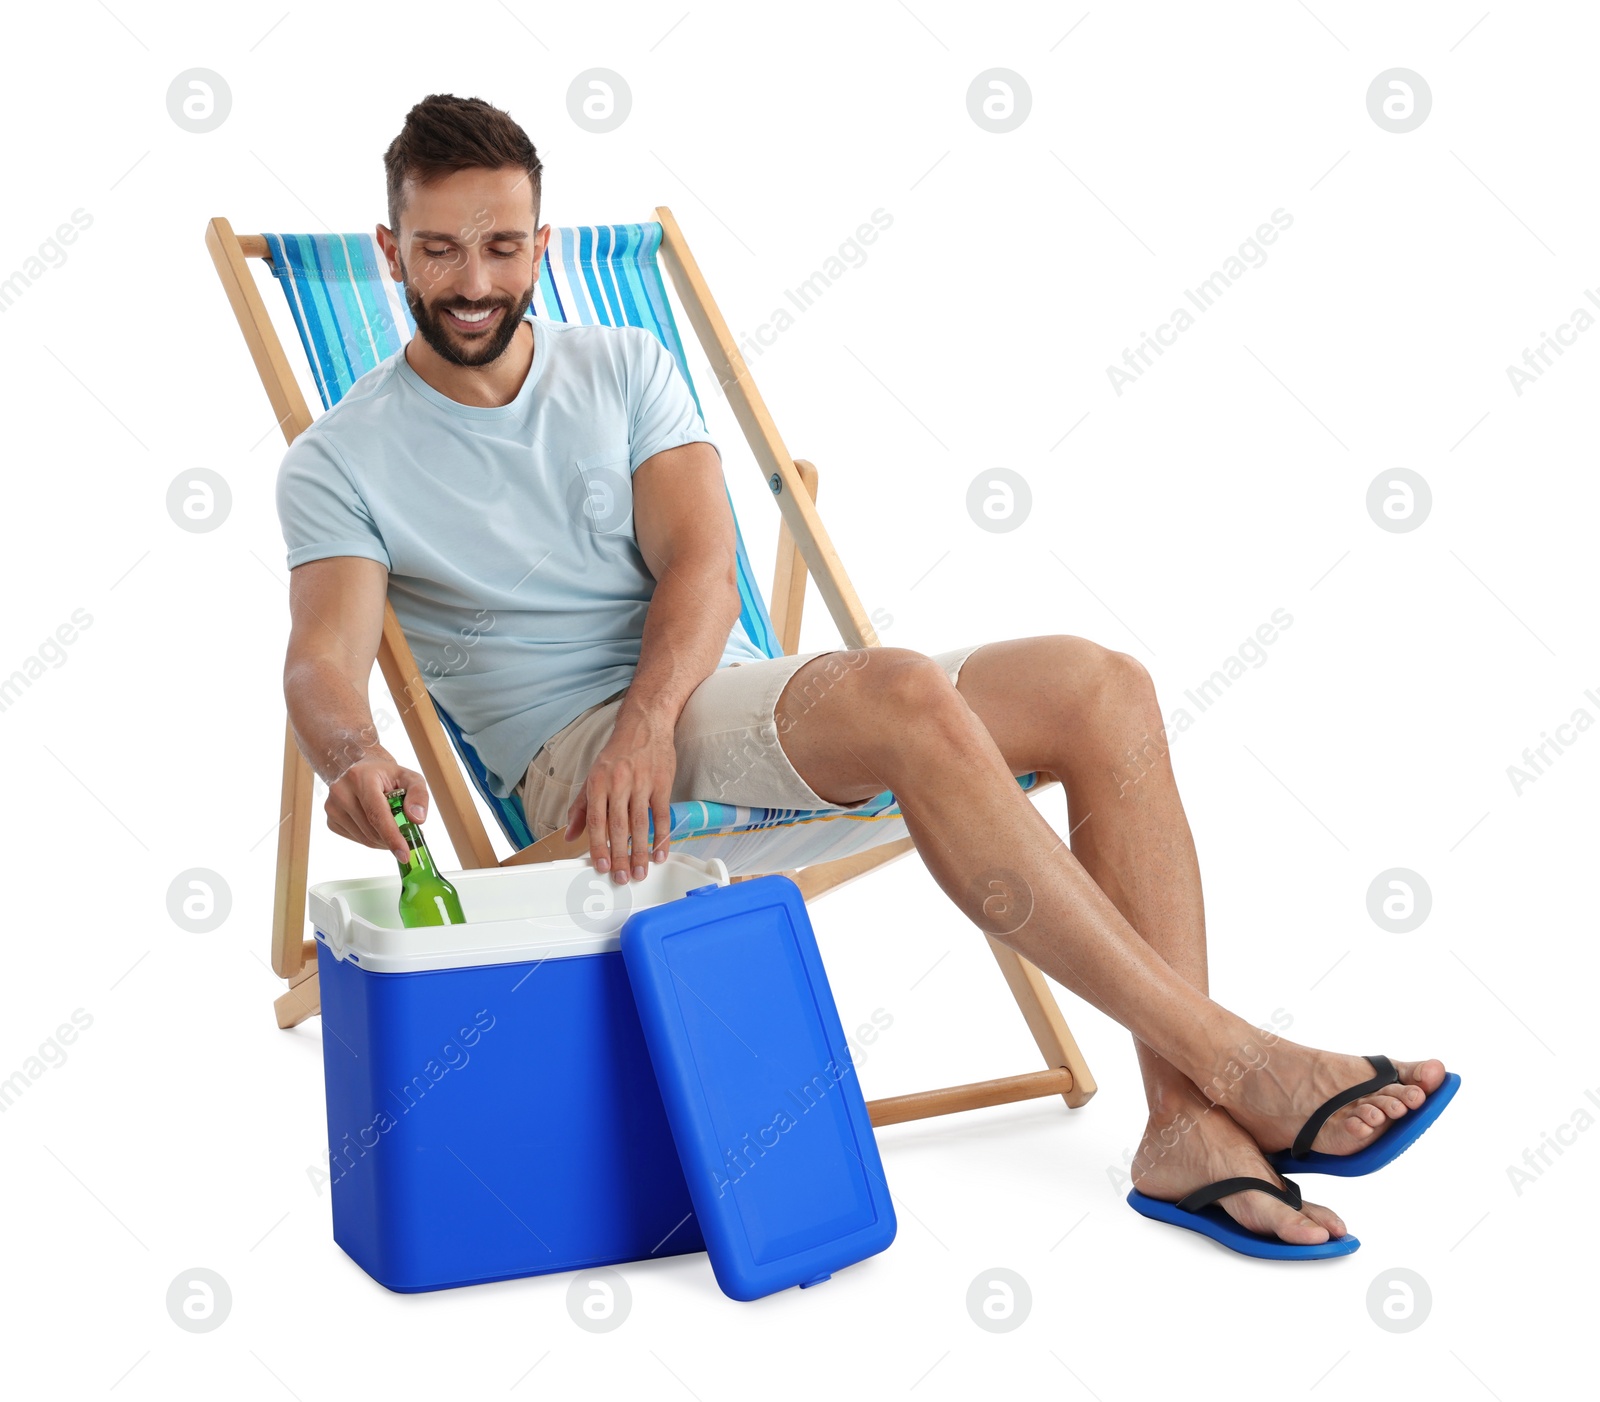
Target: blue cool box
(492,1108)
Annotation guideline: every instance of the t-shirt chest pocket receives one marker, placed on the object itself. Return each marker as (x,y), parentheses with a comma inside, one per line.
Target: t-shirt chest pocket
(599,496)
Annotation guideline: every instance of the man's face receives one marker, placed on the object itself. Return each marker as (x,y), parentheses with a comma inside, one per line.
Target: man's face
(469,245)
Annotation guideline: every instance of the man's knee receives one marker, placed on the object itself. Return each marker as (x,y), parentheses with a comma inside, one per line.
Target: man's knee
(850,716)
(1124,672)
(1092,681)
(881,688)
(905,684)
(1122,684)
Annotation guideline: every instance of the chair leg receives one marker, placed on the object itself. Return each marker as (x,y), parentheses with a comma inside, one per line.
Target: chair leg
(1069,1075)
(294,857)
(1043,1016)
(1003,1090)
(1028,986)
(813,881)
(303,1000)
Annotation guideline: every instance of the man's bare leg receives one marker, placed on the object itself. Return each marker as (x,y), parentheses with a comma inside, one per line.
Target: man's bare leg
(894,723)
(1089,716)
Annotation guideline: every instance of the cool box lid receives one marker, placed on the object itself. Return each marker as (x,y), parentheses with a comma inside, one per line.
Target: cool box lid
(768,1118)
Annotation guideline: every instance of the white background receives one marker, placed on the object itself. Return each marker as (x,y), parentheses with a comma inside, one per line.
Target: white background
(1231,480)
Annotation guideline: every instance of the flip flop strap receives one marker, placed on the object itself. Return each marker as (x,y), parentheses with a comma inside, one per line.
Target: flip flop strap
(1225,1187)
(1387,1075)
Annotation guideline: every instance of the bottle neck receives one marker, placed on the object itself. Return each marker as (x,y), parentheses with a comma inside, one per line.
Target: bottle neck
(421,863)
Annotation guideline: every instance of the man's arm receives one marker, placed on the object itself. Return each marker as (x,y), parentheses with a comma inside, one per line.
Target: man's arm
(336,622)
(685,532)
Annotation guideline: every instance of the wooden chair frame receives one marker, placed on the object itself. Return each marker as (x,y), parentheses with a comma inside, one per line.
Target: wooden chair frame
(804,549)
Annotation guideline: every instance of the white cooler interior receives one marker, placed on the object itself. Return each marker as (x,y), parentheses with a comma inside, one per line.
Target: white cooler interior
(515,913)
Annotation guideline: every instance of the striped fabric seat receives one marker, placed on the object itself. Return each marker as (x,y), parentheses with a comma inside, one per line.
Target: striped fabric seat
(351,315)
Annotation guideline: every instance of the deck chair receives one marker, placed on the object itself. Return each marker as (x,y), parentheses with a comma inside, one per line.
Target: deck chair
(350,316)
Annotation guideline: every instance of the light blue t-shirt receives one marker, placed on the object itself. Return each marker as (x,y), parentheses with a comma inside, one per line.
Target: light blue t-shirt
(507,532)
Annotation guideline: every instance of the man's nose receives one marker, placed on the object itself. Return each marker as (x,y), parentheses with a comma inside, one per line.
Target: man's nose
(475,282)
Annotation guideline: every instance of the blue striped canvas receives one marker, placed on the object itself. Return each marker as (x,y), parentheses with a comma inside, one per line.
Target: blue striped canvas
(351,315)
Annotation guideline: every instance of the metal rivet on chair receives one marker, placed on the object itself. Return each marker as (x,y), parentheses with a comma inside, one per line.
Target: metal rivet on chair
(776,483)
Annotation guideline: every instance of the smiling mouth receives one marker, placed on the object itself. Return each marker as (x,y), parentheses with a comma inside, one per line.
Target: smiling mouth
(467,324)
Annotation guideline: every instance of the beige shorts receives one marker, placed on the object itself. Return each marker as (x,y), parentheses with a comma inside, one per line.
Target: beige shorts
(726,741)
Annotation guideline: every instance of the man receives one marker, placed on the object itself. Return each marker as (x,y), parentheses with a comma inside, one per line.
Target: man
(546,511)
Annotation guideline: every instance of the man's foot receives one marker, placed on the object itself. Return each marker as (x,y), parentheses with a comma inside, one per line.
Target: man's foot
(1272,1092)
(1198,1144)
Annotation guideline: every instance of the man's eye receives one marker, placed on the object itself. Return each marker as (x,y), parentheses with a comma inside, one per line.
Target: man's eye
(498,253)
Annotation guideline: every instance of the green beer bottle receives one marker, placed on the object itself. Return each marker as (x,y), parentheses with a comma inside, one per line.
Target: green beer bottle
(426,898)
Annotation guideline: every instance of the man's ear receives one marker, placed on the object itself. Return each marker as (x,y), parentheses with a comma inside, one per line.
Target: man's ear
(389,246)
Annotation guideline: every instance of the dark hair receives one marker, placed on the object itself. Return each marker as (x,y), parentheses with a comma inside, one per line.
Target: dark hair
(443,134)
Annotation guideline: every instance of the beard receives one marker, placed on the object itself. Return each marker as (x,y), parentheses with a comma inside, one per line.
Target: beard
(449,343)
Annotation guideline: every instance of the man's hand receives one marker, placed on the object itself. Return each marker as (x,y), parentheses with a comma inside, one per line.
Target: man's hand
(357,808)
(629,784)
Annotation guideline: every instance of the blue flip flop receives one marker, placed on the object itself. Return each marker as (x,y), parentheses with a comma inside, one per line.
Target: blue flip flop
(1388,1146)
(1198,1212)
